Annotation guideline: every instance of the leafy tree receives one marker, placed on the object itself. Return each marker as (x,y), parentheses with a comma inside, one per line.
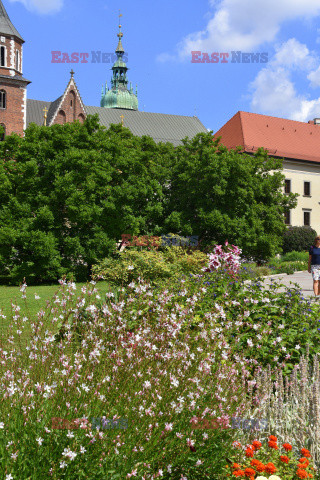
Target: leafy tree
(69,191)
(227,195)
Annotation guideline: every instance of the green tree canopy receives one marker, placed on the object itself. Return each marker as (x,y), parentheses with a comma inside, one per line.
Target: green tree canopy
(227,195)
(69,191)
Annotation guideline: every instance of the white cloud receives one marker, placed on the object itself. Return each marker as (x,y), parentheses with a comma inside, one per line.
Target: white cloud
(42,6)
(274,92)
(245,24)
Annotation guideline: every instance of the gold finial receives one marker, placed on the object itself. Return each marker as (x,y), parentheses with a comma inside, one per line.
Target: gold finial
(122,117)
(45,116)
(120,34)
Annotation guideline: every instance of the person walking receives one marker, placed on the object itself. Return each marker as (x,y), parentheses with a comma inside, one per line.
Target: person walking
(314,265)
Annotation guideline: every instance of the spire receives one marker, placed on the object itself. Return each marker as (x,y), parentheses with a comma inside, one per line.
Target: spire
(103,92)
(119,35)
(119,96)
(6,27)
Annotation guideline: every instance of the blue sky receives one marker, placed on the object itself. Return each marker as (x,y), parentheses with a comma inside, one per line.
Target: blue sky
(159,38)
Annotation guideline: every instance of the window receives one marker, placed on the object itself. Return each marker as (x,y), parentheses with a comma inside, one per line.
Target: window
(287,186)
(17,60)
(2,56)
(2,132)
(306,190)
(306,219)
(3,99)
(287,218)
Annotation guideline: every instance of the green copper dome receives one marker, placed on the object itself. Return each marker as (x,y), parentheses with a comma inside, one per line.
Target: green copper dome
(119,96)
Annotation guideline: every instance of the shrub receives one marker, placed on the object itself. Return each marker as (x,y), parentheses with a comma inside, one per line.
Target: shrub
(298,239)
(154,266)
(295,257)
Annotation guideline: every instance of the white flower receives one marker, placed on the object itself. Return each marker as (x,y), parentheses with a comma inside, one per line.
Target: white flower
(39,440)
(14,456)
(1,425)
(174,382)
(131,267)
(9,477)
(63,464)
(36,297)
(82,449)
(70,434)
(274,477)
(262,478)
(297,347)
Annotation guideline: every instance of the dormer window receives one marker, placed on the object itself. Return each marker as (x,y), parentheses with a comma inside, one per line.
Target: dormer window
(17,60)
(2,56)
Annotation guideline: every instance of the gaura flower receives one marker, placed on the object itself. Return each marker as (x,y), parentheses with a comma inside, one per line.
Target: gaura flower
(284,459)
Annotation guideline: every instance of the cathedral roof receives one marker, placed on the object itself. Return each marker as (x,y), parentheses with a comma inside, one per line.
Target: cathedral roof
(6,27)
(161,127)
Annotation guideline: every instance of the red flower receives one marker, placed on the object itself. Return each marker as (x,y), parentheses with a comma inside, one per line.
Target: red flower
(273,445)
(256,445)
(305,461)
(236,466)
(249,452)
(249,472)
(284,459)
(301,473)
(270,468)
(305,452)
(255,462)
(260,467)
(287,447)
(239,473)
(272,438)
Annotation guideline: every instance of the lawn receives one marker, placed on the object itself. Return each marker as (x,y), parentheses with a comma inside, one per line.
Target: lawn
(32,304)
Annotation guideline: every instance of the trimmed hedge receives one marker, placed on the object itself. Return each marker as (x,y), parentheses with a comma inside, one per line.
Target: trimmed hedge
(298,239)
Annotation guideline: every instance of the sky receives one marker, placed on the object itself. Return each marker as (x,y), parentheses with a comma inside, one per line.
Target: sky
(159,37)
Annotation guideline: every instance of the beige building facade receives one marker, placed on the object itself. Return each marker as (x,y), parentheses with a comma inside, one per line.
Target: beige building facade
(303,178)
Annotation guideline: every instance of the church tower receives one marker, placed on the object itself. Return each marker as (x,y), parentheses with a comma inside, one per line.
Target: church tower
(119,96)
(13,87)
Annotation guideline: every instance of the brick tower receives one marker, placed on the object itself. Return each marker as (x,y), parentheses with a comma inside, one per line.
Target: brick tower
(13,87)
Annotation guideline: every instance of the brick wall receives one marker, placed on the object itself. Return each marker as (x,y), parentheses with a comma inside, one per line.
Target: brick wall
(13,116)
(11,45)
(71,108)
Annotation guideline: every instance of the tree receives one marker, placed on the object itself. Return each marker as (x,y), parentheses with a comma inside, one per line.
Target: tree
(227,195)
(69,191)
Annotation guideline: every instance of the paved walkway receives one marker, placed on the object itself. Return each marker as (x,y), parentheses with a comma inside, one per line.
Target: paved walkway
(303,279)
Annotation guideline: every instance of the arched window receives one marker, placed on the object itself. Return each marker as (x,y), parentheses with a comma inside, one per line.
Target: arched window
(81,118)
(18,60)
(3,99)
(73,104)
(2,56)
(2,131)
(61,118)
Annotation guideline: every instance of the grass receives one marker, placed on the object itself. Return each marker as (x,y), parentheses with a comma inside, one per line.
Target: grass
(31,306)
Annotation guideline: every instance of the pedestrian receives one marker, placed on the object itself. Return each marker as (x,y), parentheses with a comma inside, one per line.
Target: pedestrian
(314,265)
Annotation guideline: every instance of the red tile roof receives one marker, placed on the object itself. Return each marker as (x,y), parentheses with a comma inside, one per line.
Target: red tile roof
(281,137)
